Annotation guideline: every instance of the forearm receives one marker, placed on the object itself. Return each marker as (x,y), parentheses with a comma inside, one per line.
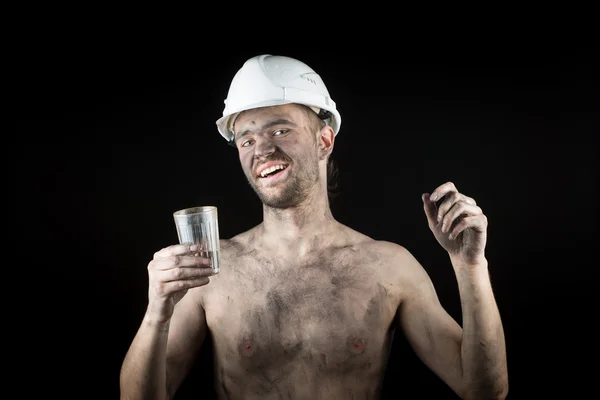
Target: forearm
(143,373)
(483,350)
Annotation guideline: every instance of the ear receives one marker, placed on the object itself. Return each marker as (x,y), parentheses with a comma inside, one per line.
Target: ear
(326,140)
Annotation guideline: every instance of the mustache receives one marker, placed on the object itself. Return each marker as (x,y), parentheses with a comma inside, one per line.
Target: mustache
(275,156)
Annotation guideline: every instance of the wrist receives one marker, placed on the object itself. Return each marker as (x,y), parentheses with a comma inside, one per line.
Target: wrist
(472,276)
(156,320)
(471,269)
(473,263)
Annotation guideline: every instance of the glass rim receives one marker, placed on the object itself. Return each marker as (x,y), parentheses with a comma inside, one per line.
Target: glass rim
(195,210)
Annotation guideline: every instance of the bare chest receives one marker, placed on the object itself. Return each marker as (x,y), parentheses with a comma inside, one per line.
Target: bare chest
(332,315)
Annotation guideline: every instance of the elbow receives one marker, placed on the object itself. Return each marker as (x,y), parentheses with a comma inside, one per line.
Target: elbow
(486,396)
(496,391)
(500,389)
(498,394)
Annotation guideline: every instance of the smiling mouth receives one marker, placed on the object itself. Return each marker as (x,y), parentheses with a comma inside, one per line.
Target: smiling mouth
(272,171)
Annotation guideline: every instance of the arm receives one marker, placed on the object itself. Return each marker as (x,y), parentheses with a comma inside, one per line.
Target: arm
(471,359)
(483,350)
(172,331)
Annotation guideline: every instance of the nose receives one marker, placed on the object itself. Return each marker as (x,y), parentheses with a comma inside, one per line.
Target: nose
(263,147)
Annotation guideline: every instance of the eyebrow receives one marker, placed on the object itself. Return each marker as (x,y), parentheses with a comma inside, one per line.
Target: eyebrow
(279,121)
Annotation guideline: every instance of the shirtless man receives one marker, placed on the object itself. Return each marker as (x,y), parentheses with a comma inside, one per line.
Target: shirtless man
(305,307)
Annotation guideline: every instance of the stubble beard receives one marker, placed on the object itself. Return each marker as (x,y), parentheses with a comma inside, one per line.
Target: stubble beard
(293,191)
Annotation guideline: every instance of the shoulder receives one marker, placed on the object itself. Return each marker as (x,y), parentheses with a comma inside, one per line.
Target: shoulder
(238,244)
(394,261)
(386,251)
(383,249)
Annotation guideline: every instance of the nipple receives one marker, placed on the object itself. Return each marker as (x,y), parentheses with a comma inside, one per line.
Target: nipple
(356,345)
(246,346)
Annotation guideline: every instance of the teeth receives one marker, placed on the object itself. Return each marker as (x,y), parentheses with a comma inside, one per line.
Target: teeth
(271,169)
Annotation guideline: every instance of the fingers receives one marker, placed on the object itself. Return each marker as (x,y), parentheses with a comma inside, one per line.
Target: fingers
(182,273)
(460,212)
(458,208)
(176,268)
(430,210)
(176,250)
(446,189)
(166,278)
(447,196)
(454,211)
(442,190)
(179,267)
(164,289)
(179,261)
(475,222)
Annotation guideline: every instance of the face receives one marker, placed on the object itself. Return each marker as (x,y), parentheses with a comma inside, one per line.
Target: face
(279,153)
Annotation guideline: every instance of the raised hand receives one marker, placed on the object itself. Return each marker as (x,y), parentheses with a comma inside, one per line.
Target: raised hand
(457,223)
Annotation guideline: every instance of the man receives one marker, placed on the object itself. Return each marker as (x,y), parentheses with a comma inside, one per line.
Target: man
(305,307)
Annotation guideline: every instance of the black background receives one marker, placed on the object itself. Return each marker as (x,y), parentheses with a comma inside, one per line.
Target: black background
(115,132)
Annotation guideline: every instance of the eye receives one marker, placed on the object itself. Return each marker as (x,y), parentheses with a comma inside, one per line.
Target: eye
(247,143)
(280,132)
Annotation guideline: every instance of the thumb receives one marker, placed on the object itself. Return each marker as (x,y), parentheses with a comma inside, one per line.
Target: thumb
(430,210)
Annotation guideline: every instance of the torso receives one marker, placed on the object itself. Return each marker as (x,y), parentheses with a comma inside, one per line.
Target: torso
(316,328)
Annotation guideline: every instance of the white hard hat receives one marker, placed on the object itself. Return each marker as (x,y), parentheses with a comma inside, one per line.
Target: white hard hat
(268,80)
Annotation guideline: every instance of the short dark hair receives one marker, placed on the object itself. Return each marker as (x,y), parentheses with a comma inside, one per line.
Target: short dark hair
(332,169)
(332,179)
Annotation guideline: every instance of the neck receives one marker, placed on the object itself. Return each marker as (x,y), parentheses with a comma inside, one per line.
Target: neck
(298,229)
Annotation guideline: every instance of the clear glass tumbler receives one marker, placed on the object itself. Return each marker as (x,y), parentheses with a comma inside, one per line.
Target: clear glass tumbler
(200,225)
